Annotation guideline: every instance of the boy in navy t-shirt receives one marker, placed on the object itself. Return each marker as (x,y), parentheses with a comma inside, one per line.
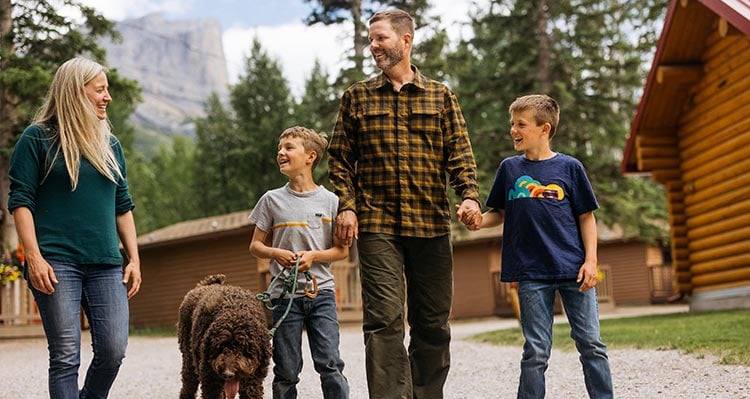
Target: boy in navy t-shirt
(549,244)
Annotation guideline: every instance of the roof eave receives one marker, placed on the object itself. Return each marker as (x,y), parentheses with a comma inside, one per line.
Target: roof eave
(626,166)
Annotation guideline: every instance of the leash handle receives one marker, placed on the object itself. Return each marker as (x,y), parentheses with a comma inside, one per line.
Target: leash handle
(311,281)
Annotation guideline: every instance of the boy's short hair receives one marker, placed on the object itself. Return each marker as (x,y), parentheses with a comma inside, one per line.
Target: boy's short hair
(545,109)
(400,20)
(311,140)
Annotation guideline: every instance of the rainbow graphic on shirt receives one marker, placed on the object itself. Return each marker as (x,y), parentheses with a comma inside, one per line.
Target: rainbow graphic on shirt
(527,187)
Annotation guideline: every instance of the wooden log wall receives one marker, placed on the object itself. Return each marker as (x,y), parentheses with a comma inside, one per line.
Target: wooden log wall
(713,196)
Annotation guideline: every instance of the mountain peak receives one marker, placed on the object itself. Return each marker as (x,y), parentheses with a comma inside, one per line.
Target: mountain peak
(178,64)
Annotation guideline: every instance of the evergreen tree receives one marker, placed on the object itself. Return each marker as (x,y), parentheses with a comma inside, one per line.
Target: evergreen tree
(587,54)
(168,185)
(431,50)
(34,40)
(317,110)
(218,161)
(318,106)
(358,12)
(263,106)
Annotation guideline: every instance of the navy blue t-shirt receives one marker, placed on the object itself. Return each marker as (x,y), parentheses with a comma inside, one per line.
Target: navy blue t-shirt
(542,201)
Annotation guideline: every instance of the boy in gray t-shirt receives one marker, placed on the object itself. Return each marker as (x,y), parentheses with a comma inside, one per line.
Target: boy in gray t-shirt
(299,217)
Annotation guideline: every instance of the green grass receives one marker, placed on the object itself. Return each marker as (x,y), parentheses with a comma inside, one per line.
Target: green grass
(153,332)
(724,334)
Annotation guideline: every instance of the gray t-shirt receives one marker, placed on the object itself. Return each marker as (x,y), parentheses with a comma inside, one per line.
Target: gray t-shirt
(298,222)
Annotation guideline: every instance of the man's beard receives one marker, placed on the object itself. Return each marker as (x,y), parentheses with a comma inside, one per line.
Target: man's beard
(392,57)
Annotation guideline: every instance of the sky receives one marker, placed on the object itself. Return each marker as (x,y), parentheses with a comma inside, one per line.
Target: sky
(278,26)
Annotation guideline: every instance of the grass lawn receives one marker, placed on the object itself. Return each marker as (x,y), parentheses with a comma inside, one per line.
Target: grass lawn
(153,332)
(725,334)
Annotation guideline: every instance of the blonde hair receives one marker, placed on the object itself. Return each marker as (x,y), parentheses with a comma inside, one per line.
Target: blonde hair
(68,111)
(400,20)
(545,109)
(311,140)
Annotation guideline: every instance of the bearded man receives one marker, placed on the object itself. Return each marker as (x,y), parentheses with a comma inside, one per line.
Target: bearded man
(397,136)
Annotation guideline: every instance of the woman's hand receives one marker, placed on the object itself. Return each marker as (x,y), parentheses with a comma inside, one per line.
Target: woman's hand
(132,271)
(41,274)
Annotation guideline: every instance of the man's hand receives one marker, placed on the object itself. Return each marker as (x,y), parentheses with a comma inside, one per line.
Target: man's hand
(347,228)
(469,214)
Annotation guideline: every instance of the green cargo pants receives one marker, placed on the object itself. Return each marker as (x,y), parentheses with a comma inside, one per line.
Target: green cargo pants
(395,269)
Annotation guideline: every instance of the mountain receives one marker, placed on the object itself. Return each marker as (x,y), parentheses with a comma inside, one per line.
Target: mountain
(178,64)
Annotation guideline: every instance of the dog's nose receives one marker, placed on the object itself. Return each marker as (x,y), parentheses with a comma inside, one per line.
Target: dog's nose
(228,375)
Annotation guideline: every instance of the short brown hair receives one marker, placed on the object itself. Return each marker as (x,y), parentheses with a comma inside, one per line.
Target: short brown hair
(311,140)
(545,109)
(400,20)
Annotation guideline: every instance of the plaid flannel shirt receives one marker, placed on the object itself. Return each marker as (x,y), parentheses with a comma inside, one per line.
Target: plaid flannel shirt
(390,154)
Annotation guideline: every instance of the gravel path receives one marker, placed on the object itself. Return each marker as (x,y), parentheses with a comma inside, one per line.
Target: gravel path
(478,371)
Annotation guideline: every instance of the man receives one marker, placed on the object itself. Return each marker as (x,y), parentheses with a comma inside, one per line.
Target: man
(397,136)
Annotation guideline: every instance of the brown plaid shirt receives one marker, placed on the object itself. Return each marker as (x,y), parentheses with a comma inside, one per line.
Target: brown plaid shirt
(390,154)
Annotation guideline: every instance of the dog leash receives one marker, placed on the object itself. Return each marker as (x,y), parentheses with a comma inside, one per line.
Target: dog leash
(290,286)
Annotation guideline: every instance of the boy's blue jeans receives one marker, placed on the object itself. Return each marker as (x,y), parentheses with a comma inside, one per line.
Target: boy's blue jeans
(318,317)
(103,296)
(537,299)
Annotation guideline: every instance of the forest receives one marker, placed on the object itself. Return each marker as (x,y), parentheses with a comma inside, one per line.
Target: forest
(591,55)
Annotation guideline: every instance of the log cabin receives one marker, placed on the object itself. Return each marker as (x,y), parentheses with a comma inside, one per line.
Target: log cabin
(176,257)
(691,132)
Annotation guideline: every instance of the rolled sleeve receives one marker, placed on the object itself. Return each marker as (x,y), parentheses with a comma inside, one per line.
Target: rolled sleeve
(24,171)
(123,199)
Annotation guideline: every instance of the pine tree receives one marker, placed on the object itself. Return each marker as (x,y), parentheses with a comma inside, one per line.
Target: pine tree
(263,106)
(34,40)
(317,109)
(218,160)
(358,12)
(587,54)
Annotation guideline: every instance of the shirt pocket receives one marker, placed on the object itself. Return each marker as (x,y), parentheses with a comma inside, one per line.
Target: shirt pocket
(377,125)
(426,119)
(315,220)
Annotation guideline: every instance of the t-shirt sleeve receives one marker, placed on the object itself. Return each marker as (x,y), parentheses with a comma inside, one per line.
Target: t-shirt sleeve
(261,216)
(585,199)
(496,198)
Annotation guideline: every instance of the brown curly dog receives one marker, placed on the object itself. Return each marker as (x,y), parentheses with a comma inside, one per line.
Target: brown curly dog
(224,340)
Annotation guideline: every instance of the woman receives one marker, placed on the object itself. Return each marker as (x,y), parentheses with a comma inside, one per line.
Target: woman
(70,202)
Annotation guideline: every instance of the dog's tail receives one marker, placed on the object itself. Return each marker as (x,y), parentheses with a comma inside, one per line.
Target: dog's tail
(212,279)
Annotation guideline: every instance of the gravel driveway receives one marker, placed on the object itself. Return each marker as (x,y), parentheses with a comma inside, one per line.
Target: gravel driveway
(478,371)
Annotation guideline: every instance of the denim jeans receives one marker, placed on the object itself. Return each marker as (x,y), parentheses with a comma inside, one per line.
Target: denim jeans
(318,317)
(103,296)
(419,271)
(537,299)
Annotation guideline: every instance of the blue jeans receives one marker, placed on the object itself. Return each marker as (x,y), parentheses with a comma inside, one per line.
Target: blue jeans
(318,317)
(537,299)
(103,296)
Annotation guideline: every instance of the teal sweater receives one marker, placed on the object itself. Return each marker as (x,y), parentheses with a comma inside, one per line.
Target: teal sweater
(71,226)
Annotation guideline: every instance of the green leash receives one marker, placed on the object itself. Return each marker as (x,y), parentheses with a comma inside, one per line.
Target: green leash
(290,286)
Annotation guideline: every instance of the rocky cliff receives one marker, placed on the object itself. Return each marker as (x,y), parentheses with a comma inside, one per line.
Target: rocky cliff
(177,63)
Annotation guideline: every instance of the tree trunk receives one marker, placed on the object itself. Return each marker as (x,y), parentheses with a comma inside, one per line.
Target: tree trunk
(360,40)
(8,119)
(543,46)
